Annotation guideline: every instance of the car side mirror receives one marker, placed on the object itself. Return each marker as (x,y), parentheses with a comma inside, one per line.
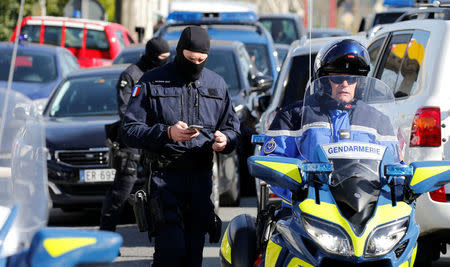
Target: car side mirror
(262,83)
(282,172)
(263,102)
(429,176)
(49,247)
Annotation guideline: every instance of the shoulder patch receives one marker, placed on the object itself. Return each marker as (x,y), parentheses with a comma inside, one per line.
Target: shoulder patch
(136,90)
(270,146)
(123,83)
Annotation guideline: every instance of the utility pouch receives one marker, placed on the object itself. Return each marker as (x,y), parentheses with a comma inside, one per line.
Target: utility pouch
(215,229)
(113,152)
(139,202)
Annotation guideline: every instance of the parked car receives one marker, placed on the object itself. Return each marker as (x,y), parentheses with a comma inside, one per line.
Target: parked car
(290,87)
(38,69)
(229,26)
(328,32)
(289,23)
(94,43)
(74,121)
(231,61)
(130,54)
(282,50)
(412,58)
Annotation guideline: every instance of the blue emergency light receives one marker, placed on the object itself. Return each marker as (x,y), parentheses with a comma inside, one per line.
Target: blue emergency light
(399,3)
(179,17)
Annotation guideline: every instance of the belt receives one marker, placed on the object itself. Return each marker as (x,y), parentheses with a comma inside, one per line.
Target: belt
(182,165)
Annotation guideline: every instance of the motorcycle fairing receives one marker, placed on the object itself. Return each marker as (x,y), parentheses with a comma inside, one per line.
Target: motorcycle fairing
(329,212)
(429,175)
(278,171)
(276,255)
(225,247)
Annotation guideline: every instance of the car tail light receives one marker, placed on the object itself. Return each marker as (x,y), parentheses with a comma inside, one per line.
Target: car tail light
(426,127)
(438,195)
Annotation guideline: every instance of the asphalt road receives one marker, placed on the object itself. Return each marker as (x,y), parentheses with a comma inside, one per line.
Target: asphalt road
(136,249)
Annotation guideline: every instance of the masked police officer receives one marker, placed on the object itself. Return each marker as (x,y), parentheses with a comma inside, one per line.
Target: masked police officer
(126,158)
(163,106)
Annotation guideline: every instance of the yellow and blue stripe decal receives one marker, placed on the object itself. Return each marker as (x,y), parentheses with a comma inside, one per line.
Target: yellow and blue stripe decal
(225,247)
(410,263)
(273,251)
(290,170)
(330,212)
(423,173)
(295,262)
(59,246)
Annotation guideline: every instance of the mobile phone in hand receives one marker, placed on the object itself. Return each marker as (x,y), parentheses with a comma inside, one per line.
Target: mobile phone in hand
(194,126)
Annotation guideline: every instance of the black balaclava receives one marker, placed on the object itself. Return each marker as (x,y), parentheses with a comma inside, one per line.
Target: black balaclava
(195,39)
(154,48)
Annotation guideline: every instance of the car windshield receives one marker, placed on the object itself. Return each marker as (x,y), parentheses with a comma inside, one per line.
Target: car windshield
(282,29)
(258,54)
(385,18)
(85,96)
(31,66)
(129,57)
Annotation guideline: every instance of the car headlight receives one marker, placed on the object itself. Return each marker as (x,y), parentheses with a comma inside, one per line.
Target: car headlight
(385,237)
(328,236)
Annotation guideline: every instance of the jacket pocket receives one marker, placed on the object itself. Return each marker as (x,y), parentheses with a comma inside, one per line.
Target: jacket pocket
(167,104)
(209,106)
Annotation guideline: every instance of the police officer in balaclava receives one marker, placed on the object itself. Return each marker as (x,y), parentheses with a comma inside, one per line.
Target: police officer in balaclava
(126,159)
(180,114)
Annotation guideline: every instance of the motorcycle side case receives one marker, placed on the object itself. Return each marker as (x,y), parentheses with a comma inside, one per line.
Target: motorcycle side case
(238,247)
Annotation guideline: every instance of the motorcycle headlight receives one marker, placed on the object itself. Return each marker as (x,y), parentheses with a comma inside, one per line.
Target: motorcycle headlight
(328,236)
(385,237)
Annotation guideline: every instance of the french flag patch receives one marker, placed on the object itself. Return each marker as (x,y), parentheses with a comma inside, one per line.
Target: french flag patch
(136,90)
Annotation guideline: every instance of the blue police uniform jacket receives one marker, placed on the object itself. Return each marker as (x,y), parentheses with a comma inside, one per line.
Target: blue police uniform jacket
(161,99)
(324,119)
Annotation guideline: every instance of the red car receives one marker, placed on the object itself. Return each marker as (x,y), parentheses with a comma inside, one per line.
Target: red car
(94,43)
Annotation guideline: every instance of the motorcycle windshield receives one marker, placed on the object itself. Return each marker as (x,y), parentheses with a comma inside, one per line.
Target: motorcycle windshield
(24,198)
(353,120)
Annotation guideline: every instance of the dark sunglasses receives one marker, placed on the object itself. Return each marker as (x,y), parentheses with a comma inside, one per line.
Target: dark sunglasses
(341,78)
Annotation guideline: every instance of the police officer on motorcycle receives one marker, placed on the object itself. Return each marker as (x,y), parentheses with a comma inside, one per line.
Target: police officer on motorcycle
(125,159)
(180,114)
(342,61)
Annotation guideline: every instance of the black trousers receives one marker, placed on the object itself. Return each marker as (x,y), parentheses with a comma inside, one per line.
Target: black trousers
(187,209)
(117,195)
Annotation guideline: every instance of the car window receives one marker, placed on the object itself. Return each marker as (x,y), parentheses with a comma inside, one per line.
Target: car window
(32,32)
(31,66)
(392,59)
(68,62)
(296,80)
(74,37)
(120,38)
(130,39)
(129,57)
(258,54)
(282,29)
(246,66)
(385,18)
(374,50)
(85,96)
(96,40)
(224,64)
(52,35)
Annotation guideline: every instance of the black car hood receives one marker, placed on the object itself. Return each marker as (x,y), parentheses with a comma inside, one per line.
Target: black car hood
(77,132)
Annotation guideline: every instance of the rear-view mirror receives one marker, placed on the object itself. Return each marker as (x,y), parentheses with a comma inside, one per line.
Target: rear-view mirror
(277,171)
(429,175)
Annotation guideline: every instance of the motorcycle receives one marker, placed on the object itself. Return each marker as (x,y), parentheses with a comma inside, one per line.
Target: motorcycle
(352,198)
(25,239)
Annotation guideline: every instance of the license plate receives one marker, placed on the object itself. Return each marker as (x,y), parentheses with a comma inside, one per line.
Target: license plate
(97,175)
